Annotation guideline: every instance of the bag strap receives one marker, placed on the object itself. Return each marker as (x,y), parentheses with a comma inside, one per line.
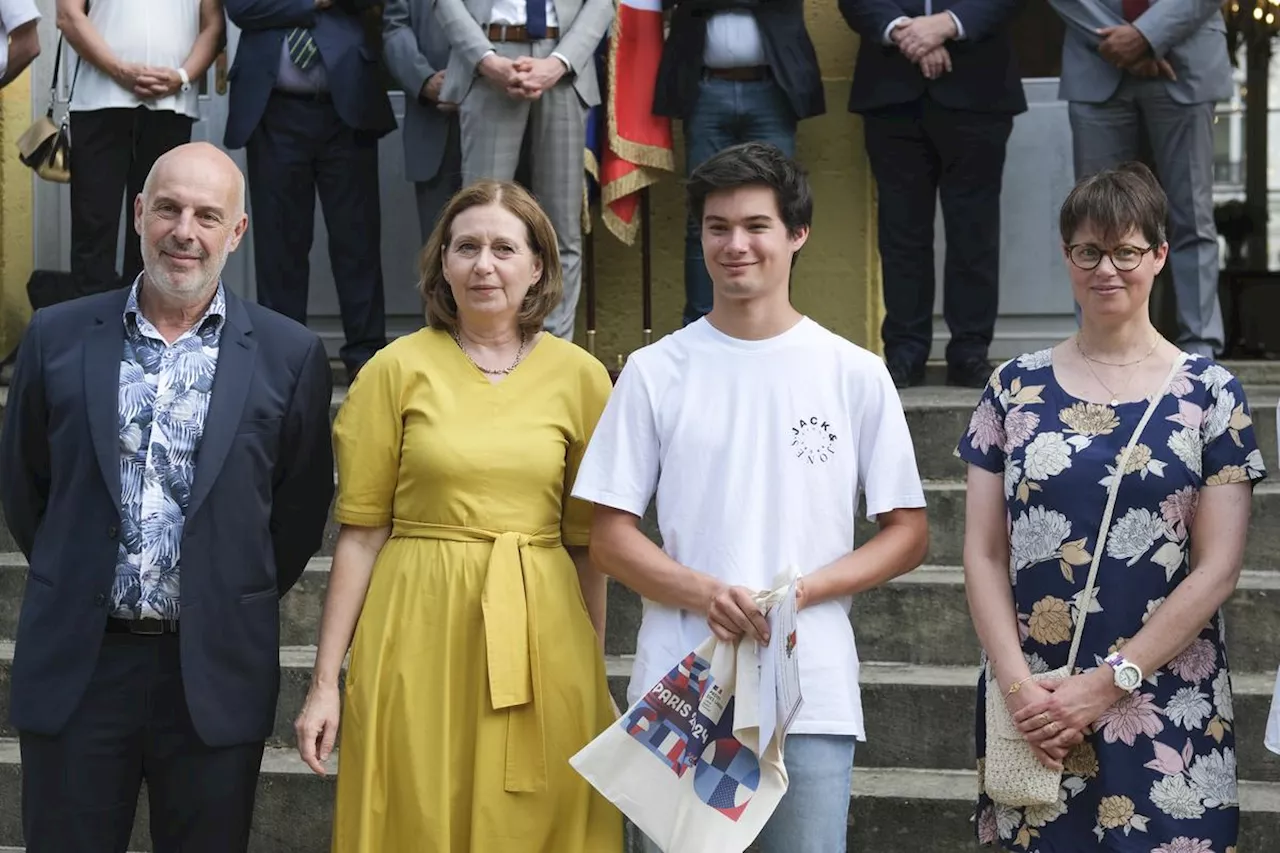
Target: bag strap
(57,69)
(1123,461)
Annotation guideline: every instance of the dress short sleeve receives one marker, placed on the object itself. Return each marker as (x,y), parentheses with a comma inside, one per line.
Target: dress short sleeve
(1230,446)
(366,440)
(983,442)
(595,388)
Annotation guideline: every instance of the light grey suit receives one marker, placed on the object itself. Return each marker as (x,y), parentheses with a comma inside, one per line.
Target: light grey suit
(493,124)
(415,48)
(1108,106)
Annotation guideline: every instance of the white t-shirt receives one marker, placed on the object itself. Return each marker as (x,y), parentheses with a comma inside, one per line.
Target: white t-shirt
(13,14)
(146,32)
(758,451)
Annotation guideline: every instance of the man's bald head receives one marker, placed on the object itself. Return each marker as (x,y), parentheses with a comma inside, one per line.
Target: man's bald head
(189,216)
(210,162)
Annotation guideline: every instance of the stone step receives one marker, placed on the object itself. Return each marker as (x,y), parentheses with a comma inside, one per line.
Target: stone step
(921,617)
(888,809)
(917,716)
(946,526)
(923,716)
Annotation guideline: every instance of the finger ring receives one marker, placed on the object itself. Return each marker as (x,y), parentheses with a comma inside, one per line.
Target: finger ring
(1044,718)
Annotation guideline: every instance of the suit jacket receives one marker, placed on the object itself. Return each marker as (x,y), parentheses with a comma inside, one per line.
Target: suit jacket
(1190,34)
(787,48)
(261,492)
(351,64)
(415,48)
(582,25)
(984,75)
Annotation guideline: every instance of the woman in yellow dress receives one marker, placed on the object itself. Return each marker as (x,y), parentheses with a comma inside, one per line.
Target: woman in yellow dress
(476,669)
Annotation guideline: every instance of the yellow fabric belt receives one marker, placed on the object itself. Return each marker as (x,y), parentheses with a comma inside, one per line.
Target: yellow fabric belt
(511,640)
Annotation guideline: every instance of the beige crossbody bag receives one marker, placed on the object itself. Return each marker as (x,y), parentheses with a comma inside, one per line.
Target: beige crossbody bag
(1013,776)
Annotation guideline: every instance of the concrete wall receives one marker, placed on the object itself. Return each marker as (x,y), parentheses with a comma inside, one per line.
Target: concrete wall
(16,252)
(837,278)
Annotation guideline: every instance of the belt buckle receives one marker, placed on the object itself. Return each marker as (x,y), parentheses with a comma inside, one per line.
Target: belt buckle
(147,627)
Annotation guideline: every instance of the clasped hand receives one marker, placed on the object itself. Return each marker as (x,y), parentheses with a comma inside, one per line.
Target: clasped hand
(1126,47)
(922,40)
(1053,715)
(147,81)
(525,76)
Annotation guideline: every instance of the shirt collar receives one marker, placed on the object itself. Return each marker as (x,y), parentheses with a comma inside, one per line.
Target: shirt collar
(217,310)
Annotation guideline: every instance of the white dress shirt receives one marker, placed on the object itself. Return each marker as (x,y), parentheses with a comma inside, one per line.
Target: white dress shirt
(513,13)
(146,32)
(733,41)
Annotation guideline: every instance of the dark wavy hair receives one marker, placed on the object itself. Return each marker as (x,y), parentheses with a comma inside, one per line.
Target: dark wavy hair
(755,164)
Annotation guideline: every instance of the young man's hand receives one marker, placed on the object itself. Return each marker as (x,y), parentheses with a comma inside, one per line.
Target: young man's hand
(733,612)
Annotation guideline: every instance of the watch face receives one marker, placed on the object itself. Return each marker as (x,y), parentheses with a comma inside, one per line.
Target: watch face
(1128,677)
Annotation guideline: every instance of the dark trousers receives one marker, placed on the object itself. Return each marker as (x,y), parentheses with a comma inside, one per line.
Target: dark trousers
(301,148)
(112,152)
(80,787)
(919,151)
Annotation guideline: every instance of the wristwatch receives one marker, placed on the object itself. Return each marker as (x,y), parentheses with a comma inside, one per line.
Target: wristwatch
(1128,676)
(186,80)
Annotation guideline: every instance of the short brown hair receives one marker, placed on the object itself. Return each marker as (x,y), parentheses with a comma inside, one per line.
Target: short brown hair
(441,309)
(1115,202)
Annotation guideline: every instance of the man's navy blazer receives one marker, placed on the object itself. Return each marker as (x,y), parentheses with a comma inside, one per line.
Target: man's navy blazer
(984,75)
(349,61)
(261,492)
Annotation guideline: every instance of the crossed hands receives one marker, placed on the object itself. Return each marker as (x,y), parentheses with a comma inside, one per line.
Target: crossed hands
(523,77)
(147,81)
(1126,47)
(922,41)
(1054,715)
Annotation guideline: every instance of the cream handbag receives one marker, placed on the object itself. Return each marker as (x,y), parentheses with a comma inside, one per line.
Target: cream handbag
(1012,774)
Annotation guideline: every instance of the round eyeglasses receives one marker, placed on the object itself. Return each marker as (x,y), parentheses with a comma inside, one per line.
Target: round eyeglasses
(1087,256)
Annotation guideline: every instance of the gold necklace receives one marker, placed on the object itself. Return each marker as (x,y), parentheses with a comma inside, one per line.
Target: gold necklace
(1115,398)
(501,371)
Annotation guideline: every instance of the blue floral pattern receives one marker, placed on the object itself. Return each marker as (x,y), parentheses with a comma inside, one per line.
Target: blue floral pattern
(164,397)
(1157,771)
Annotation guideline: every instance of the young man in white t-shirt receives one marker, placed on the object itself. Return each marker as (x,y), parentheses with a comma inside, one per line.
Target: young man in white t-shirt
(758,430)
(19,40)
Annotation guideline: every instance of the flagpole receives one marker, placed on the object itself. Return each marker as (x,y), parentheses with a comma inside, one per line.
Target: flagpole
(646,269)
(589,280)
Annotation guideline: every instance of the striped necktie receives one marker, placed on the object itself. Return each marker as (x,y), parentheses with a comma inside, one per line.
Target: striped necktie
(536,25)
(302,47)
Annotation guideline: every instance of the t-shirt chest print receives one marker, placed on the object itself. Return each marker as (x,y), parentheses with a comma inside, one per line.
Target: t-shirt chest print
(813,440)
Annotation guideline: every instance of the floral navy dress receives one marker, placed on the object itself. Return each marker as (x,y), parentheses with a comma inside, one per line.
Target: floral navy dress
(1158,772)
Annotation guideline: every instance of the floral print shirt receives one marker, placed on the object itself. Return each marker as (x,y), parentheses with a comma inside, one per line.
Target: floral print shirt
(164,396)
(1157,774)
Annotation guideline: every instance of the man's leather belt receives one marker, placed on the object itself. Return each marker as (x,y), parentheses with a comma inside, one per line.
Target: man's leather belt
(142,627)
(745,74)
(314,97)
(516,32)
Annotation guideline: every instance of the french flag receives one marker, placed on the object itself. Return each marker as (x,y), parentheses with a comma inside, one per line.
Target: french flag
(638,143)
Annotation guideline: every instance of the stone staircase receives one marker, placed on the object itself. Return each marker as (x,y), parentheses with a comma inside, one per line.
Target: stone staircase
(914,635)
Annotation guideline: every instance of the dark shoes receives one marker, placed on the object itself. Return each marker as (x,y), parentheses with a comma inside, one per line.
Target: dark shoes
(905,374)
(972,372)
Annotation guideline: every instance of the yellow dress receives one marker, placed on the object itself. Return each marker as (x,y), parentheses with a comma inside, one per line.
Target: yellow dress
(475,672)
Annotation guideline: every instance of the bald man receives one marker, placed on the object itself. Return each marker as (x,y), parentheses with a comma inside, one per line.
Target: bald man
(165,467)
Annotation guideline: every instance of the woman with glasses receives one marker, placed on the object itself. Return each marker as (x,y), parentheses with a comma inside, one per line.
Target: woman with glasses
(1141,728)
